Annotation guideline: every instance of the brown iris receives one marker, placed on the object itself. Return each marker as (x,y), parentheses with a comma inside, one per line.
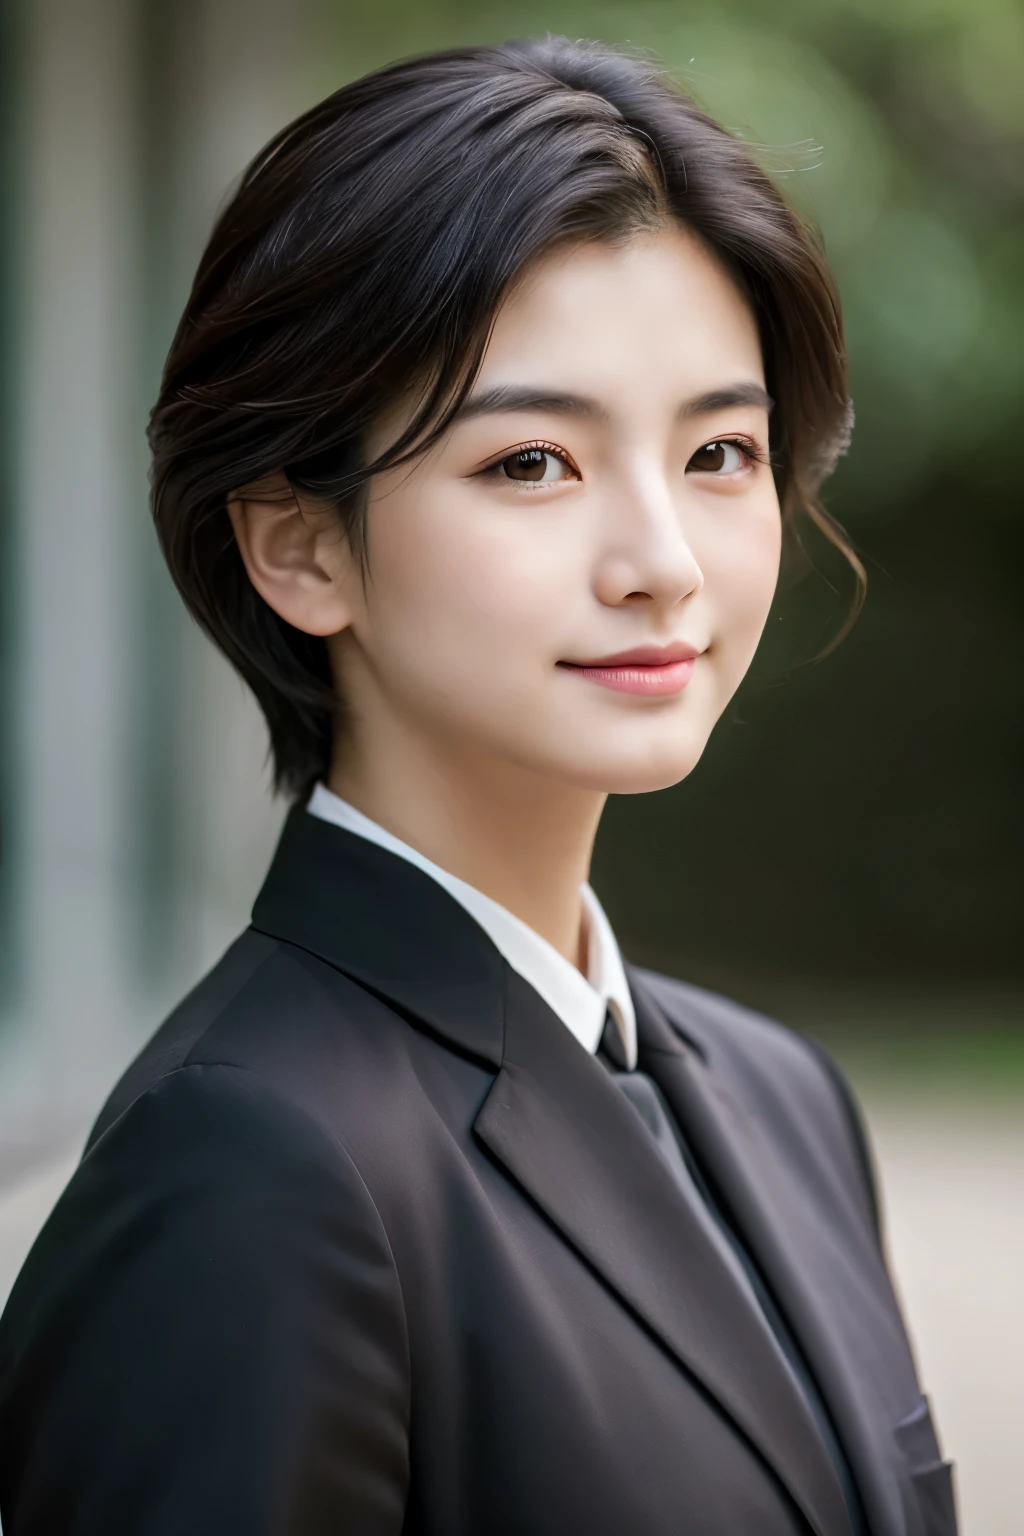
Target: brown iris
(527,464)
(712,456)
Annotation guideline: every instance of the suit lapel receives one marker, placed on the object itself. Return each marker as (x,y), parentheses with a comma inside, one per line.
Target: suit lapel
(781,1233)
(561,1128)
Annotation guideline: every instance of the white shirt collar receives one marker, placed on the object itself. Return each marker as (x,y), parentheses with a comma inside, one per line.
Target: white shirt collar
(581,1002)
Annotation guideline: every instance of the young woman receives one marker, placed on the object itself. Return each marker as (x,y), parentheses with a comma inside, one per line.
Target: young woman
(503,373)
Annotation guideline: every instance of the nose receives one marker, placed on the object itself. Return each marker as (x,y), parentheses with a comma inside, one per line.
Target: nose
(646,557)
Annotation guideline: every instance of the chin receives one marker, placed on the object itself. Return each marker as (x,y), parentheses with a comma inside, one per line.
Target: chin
(643,771)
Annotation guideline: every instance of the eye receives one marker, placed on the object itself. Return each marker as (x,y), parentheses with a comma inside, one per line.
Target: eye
(535,464)
(723,457)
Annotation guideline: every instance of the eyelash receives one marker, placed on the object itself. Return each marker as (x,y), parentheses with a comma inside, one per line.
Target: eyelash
(746,445)
(749,449)
(541,446)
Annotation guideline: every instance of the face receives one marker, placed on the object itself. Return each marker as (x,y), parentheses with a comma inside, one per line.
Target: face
(573,582)
(576,578)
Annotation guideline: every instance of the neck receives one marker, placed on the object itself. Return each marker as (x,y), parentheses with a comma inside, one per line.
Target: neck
(523,840)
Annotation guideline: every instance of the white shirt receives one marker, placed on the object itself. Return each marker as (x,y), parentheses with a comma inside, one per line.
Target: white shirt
(581,1002)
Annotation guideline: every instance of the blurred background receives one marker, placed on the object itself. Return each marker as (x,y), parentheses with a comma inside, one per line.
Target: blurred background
(847,854)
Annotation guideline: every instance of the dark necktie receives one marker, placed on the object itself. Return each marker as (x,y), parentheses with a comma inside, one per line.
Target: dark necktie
(645,1097)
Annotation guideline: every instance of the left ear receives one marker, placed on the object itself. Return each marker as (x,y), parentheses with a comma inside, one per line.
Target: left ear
(295,553)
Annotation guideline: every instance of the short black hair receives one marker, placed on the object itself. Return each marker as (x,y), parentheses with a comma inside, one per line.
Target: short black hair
(370,245)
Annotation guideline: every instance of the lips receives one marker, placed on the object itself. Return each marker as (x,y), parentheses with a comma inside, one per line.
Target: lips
(651,671)
(641,656)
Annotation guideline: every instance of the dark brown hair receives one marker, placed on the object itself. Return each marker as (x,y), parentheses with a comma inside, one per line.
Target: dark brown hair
(369,246)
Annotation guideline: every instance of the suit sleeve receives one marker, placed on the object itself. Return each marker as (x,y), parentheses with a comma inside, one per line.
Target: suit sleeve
(208,1335)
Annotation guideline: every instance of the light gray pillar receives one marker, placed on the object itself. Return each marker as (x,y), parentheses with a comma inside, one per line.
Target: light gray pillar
(75,276)
(98,212)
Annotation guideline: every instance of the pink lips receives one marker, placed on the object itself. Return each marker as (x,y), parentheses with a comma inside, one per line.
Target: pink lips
(651,670)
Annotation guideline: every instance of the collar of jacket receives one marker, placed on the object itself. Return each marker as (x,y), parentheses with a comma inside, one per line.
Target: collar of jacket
(392,928)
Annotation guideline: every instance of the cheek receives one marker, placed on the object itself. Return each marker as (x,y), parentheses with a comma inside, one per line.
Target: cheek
(467,586)
(740,561)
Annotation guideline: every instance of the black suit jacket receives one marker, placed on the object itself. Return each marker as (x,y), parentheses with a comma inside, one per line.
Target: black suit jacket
(365,1243)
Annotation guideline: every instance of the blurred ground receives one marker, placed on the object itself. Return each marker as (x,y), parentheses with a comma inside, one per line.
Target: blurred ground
(952,1172)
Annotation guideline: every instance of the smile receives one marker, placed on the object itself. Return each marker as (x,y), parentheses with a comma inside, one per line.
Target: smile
(651,671)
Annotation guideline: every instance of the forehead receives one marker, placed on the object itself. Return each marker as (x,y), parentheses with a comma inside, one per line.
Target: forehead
(598,318)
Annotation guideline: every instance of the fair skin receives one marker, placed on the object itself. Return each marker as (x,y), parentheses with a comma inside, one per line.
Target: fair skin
(593,499)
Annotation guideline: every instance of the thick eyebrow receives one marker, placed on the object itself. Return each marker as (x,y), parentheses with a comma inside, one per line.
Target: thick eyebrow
(528,397)
(746,393)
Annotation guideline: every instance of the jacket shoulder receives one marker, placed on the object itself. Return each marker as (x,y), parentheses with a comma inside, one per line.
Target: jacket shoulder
(266,1007)
(301,1028)
(728,1032)
(790,1080)
(169,1046)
